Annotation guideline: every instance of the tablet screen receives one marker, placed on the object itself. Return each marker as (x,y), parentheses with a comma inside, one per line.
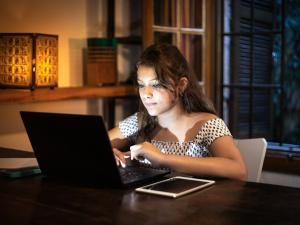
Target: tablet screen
(175,186)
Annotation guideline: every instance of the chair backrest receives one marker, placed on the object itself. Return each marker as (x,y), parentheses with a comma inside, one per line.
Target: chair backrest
(253,151)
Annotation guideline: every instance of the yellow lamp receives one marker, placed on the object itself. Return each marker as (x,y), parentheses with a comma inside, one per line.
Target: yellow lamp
(28,60)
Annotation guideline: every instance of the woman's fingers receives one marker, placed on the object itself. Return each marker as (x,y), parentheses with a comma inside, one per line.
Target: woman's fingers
(117,160)
(120,157)
(135,150)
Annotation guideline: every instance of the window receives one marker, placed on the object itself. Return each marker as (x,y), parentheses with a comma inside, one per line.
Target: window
(188,25)
(260,71)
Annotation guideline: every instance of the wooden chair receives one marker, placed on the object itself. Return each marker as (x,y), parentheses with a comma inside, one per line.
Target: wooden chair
(253,151)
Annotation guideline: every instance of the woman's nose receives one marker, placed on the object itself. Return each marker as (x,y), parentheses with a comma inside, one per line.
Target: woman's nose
(148,92)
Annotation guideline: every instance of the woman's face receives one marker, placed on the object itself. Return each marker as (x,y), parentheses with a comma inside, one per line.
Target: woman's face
(156,99)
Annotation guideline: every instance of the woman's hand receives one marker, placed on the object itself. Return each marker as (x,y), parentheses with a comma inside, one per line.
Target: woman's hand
(148,151)
(121,157)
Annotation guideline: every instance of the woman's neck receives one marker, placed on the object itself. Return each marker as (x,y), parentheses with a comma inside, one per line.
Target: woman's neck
(171,117)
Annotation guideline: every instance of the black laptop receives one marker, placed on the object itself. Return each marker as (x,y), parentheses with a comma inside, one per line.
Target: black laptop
(77,147)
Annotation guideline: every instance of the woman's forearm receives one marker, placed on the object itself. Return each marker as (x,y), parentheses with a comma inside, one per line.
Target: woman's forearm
(208,166)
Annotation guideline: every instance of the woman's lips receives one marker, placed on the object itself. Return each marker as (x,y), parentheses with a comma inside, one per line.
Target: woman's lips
(150,104)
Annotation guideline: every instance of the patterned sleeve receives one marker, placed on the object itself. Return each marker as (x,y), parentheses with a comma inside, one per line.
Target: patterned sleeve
(214,129)
(129,126)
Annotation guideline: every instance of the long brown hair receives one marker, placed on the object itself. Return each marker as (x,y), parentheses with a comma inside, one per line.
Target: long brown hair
(170,66)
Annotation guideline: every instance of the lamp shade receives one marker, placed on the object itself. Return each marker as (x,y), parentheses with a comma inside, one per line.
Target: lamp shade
(28,60)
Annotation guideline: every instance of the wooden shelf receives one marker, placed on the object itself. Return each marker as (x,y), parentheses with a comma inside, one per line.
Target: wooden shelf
(47,94)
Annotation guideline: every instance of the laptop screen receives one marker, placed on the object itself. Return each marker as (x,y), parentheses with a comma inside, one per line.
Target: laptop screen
(71,146)
(77,147)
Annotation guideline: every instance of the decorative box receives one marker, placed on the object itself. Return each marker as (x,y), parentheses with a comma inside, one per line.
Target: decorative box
(102,62)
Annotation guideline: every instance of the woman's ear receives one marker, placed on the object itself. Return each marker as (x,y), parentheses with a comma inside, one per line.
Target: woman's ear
(182,85)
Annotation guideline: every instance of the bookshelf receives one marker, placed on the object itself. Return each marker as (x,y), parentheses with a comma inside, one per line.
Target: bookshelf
(108,93)
(65,93)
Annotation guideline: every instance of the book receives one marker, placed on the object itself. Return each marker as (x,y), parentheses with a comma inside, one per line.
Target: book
(19,167)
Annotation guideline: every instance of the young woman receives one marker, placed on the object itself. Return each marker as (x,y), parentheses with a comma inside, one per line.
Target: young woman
(176,126)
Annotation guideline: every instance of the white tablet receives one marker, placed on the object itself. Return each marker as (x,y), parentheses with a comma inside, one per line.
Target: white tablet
(176,186)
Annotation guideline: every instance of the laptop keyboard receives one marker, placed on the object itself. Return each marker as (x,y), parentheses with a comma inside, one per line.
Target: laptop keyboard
(131,174)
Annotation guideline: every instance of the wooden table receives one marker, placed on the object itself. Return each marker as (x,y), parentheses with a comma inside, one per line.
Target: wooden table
(34,200)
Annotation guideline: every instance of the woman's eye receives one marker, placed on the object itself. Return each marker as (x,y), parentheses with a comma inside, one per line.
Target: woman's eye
(140,86)
(156,85)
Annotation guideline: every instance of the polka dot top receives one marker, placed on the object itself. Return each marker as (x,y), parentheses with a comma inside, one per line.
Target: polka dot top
(198,147)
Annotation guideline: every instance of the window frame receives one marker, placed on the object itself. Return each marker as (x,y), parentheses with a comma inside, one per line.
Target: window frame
(207,32)
(279,158)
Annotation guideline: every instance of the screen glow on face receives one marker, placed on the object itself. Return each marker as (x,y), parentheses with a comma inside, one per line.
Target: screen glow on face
(154,96)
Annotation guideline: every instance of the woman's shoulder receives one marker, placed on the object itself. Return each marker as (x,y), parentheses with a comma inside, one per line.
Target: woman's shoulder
(194,123)
(202,118)
(129,125)
(207,119)
(206,116)
(212,127)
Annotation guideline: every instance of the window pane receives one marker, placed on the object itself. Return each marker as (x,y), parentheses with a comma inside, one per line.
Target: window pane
(276,59)
(263,16)
(191,13)
(237,60)
(249,60)
(261,82)
(291,82)
(191,47)
(278,15)
(227,57)
(236,110)
(262,113)
(227,20)
(262,59)
(276,115)
(237,16)
(164,37)
(165,13)
(250,112)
